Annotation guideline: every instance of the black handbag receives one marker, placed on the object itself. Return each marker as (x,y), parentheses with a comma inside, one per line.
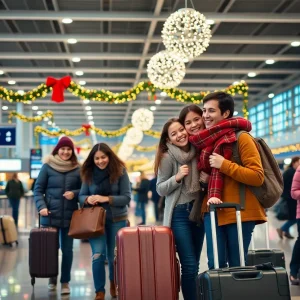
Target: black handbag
(282,210)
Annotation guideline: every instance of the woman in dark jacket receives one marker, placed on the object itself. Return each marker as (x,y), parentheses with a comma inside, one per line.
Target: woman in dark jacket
(14,191)
(56,196)
(288,176)
(105,183)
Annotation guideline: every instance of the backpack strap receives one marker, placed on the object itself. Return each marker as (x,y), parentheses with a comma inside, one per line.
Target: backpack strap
(237,159)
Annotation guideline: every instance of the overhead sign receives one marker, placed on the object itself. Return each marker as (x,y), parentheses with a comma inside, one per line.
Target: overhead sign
(35,162)
(49,140)
(10,165)
(7,135)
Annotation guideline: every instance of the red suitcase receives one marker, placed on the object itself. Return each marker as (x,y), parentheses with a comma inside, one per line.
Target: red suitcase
(43,253)
(146,267)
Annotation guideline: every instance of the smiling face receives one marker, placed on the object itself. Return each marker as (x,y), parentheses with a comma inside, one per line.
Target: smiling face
(178,135)
(65,153)
(193,123)
(212,114)
(101,160)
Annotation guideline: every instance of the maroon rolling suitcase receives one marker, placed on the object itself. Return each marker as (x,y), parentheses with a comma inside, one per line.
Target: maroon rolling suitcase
(146,267)
(43,253)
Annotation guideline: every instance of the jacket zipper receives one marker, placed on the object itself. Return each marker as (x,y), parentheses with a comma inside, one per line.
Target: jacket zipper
(63,204)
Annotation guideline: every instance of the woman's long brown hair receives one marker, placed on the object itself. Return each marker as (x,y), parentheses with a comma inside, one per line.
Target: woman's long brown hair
(115,165)
(162,145)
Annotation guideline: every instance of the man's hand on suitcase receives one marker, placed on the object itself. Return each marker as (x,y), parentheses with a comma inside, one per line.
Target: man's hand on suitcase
(44,212)
(214,200)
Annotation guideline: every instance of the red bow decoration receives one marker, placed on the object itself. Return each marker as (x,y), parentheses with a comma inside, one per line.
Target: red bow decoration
(86,128)
(58,85)
(78,149)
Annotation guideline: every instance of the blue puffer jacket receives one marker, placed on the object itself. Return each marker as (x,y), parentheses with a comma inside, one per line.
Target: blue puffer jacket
(48,193)
(119,199)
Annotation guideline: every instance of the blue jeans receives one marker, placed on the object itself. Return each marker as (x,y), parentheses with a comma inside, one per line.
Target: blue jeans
(99,246)
(66,247)
(15,204)
(189,240)
(143,211)
(286,226)
(227,240)
(295,262)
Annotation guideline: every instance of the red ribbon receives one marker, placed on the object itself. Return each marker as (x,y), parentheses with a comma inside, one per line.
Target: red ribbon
(58,85)
(86,128)
(78,149)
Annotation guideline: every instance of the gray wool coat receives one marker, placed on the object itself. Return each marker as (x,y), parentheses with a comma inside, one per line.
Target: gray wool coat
(167,186)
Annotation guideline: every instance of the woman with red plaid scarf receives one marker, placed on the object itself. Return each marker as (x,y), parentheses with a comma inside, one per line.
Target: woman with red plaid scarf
(178,181)
(216,146)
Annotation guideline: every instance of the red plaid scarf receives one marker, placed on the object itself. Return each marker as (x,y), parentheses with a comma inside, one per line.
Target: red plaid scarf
(218,139)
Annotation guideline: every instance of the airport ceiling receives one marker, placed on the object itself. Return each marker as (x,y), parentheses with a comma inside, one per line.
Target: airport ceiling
(116,39)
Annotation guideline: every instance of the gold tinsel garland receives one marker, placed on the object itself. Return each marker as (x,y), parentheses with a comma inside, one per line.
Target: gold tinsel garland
(99,131)
(125,96)
(15,114)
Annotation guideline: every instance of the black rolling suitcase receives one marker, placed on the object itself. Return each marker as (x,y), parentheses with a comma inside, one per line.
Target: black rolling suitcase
(43,253)
(266,255)
(241,283)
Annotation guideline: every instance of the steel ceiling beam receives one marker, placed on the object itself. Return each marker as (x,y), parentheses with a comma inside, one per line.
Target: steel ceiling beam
(115,38)
(121,16)
(129,80)
(136,56)
(134,70)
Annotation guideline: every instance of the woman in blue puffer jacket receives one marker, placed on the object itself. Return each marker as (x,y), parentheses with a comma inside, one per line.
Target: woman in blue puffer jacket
(56,196)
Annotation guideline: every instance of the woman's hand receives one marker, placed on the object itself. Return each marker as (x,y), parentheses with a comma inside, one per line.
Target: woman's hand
(101,199)
(216,160)
(204,177)
(90,200)
(214,200)
(69,195)
(182,172)
(44,212)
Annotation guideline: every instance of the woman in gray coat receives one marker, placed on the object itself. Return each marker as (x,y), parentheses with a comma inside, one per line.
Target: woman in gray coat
(56,196)
(178,181)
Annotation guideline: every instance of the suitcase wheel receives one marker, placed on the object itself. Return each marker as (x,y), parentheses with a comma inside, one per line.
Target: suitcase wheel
(32,281)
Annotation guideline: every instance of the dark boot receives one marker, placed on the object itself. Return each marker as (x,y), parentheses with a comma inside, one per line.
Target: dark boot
(113,291)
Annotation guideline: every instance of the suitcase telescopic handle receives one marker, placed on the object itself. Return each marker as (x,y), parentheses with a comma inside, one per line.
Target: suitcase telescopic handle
(212,209)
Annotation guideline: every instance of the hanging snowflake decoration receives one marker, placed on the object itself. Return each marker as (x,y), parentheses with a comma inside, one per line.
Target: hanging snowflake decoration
(142,119)
(166,69)
(187,33)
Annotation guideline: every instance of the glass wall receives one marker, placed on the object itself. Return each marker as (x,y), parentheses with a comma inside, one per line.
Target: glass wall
(277,115)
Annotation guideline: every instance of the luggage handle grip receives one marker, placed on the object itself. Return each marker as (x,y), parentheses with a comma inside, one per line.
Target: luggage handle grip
(213,207)
(236,269)
(253,275)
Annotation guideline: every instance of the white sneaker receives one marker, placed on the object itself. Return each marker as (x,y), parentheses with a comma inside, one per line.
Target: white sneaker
(51,287)
(65,289)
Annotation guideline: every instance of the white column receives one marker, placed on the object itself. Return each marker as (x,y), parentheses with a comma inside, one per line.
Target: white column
(19,132)
(0,111)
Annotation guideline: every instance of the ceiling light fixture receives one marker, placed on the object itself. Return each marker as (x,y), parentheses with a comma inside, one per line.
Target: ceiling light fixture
(35,107)
(163,94)
(72,41)
(82,82)
(88,108)
(235,113)
(67,21)
(76,59)
(89,113)
(90,117)
(235,83)
(1,72)
(46,119)
(39,112)
(11,82)
(295,44)
(91,122)
(4,107)
(157,101)
(271,95)
(270,61)
(50,123)
(86,101)
(21,92)
(79,73)
(152,108)
(251,74)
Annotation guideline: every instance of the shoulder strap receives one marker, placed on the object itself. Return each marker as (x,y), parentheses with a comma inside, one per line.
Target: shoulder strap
(237,159)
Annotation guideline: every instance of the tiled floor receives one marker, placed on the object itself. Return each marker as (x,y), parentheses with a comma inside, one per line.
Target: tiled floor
(15,280)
